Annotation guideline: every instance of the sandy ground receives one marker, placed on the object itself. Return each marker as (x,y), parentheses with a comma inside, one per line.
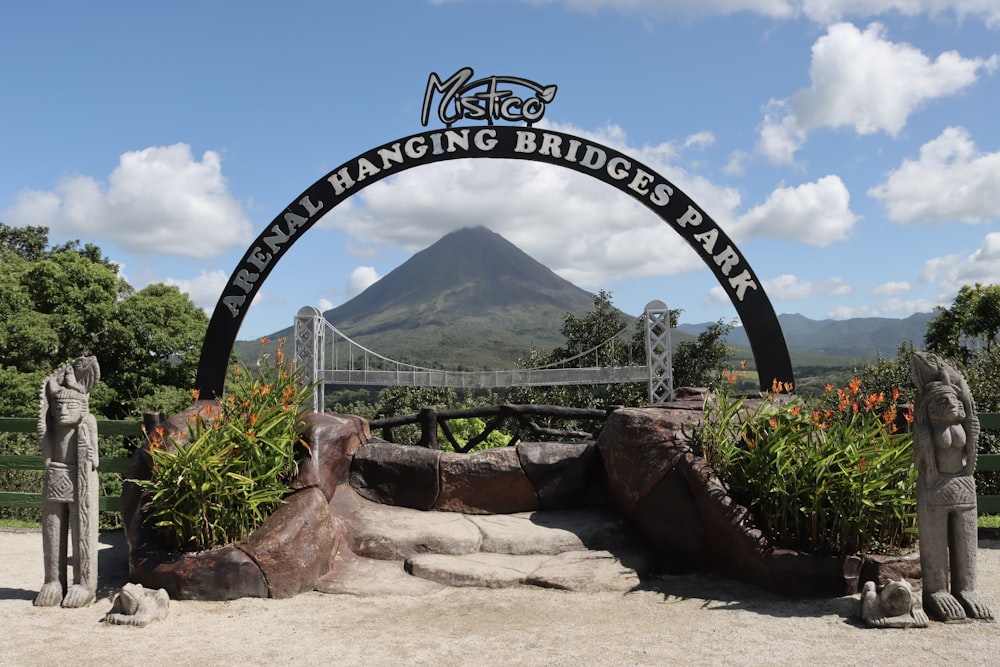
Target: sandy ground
(674,620)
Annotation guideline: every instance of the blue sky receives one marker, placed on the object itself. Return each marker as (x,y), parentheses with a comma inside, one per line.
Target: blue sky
(849,147)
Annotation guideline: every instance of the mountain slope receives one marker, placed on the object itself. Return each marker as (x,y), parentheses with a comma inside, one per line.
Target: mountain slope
(472,300)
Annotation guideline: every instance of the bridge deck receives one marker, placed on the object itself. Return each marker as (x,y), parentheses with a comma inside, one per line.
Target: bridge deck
(409,377)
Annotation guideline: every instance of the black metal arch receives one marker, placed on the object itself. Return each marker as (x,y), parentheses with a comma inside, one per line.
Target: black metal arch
(677,210)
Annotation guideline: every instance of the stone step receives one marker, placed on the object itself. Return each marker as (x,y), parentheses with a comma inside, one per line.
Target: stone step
(395,533)
(404,551)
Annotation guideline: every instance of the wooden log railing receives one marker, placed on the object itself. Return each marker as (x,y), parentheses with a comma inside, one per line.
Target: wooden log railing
(524,417)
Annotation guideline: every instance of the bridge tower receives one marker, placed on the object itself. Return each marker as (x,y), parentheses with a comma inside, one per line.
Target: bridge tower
(658,354)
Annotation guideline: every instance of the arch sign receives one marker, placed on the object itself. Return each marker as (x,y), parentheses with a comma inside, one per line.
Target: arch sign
(488,100)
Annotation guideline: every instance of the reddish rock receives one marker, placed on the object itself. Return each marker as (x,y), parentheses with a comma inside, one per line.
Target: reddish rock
(285,556)
(486,482)
(293,546)
(640,445)
(393,474)
(226,573)
(672,525)
(332,441)
(564,474)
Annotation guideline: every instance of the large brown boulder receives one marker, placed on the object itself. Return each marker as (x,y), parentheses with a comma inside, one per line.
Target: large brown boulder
(285,556)
(681,507)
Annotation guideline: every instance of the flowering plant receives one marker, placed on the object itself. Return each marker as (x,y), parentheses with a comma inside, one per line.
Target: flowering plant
(828,476)
(233,469)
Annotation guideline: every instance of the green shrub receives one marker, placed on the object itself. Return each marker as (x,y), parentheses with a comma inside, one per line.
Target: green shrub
(828,476)
(234,468)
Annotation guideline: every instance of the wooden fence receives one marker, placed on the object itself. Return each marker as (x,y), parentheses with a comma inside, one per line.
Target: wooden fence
(988,420)
(105,427)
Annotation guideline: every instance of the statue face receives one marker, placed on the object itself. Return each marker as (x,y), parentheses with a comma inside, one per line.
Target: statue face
(68,411)
(945,408)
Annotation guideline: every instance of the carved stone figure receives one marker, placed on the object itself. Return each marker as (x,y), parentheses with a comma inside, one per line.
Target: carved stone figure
(135,605)
(946,431)
(892,607)
(67,433)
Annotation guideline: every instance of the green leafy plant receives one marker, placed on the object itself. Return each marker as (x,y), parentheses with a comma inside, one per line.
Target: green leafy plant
(233,469)
(465,429)
(829,476)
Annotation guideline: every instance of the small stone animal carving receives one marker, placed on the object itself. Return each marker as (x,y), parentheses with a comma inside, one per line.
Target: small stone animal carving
(135,605)
(892,607)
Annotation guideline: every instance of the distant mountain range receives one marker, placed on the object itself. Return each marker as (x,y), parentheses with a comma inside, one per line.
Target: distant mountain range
(473,300)
(860,338)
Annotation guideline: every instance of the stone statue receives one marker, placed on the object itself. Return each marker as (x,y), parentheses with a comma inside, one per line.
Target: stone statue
(135,605)
(892,607)
(67,433)
(946,432)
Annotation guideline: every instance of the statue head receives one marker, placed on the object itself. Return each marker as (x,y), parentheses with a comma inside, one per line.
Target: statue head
(68,406)
(939,403)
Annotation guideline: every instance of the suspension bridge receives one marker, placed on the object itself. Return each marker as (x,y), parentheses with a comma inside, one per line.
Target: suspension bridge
(329,356)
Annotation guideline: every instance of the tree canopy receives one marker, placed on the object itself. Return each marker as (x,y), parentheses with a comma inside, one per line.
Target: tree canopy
(971,323)
(61,302)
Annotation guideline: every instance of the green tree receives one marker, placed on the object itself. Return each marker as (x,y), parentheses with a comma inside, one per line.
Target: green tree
(597,338)
(149,351)
(68,300)
(971,323)
(700,362)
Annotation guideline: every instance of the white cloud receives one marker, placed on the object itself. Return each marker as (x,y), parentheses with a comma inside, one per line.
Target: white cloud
(863,82)
(950,181)
(888,308)
(204,289)
(579,227)
(788,287)
(815,213)
(325,305)
(360,279)
(891,288)
(157,200)
(824,11)
(954,271)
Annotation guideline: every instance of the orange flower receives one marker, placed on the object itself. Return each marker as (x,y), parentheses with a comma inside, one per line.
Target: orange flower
(195,393)
(861,463)
(829,387)
(854,385)
(773,422)
(743,364)
(253,419)
(796,410)
(263,340)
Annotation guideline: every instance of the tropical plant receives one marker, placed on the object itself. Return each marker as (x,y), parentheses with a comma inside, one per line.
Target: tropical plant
(830,476)
(218,484)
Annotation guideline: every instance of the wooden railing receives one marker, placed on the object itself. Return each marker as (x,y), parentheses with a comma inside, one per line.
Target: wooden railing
(105,427)
(988,421)
(429,419)
(522,416)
